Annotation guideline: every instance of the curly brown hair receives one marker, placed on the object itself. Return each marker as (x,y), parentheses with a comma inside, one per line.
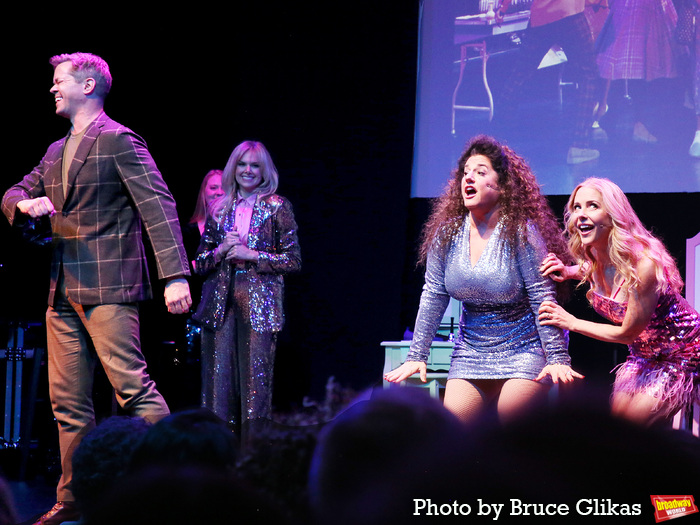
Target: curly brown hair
(521,202)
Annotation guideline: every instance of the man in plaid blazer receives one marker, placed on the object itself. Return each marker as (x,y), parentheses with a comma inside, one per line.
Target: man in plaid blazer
(99,185)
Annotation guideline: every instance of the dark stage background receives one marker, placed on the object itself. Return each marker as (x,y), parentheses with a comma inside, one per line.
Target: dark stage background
(331,91)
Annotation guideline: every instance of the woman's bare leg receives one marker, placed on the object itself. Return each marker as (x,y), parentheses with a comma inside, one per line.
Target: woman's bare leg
(638,408)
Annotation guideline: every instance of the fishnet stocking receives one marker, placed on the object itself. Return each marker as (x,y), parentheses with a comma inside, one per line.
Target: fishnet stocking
(468,398)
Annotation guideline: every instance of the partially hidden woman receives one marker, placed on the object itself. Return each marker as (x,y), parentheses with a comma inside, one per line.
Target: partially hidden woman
(209,190)
(635,284)
(249,243)
(483,245)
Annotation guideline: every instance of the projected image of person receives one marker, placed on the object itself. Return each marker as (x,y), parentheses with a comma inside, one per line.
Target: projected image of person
(563,23)
(694,7)
(634,283)
(637,45)
(483,245)
(249,243)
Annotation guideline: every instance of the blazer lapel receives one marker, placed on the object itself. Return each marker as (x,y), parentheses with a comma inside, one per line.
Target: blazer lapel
(84,148)
(53,178)
(256,219)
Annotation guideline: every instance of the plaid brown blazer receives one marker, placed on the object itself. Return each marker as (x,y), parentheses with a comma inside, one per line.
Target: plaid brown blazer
(114,187)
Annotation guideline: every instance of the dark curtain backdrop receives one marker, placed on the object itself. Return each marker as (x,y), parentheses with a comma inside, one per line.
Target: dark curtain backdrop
(330,89)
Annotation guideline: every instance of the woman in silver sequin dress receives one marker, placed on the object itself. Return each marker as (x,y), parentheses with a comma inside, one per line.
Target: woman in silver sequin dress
(483,245)
(249,243)
(634,283)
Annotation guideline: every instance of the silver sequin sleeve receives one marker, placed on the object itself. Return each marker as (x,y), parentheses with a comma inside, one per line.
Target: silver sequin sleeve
(433,303)
(554,340)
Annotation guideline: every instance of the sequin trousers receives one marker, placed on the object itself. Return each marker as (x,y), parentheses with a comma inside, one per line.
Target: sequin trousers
(664,360)
(237,369)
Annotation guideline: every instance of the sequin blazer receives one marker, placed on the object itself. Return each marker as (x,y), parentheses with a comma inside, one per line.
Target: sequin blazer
(258,287)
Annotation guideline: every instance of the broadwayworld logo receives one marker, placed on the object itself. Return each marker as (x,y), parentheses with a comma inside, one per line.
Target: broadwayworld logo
(670,507)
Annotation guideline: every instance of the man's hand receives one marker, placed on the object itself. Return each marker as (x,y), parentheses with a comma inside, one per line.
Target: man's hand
(36,207)
(177,296)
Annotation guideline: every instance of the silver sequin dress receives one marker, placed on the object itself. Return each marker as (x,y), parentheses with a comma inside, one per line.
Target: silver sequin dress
(664,360)
(499,335)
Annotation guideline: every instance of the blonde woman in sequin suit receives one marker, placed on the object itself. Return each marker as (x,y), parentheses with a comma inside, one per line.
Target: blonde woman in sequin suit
(249,243)
(634,283)
(483,245)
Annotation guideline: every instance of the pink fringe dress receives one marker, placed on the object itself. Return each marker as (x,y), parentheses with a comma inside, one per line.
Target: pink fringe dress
(664,361)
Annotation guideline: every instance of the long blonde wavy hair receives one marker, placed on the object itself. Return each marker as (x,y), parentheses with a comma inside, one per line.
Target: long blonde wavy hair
(629,241)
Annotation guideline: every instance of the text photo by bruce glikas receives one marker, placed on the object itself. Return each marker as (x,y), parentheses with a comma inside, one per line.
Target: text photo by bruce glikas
(664,507)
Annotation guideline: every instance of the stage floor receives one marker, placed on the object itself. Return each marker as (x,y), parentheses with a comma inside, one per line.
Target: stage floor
(32,498)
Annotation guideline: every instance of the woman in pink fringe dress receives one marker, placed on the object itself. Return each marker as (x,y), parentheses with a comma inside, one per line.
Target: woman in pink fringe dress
(634,283)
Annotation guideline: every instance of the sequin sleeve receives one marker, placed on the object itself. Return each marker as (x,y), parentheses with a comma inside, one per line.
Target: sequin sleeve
(212,236)
(433,303)
(285,256)
(530,254)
